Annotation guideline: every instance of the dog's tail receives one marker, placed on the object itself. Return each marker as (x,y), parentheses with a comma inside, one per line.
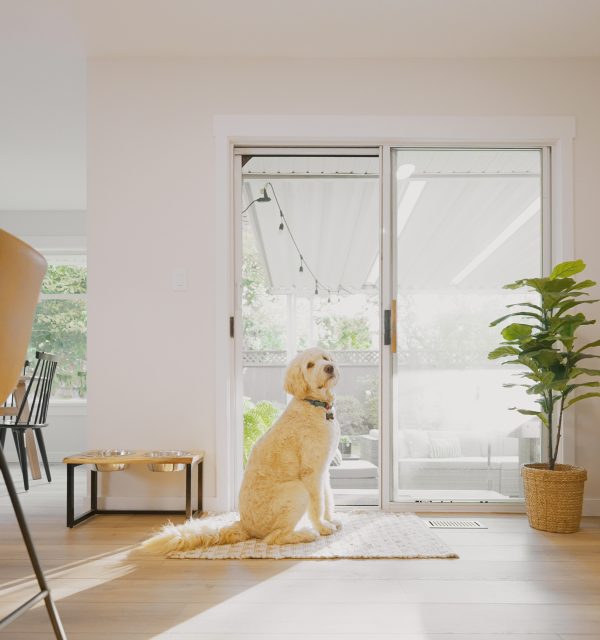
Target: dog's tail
(193,534)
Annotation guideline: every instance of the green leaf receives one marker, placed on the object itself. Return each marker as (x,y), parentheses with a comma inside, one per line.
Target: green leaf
(577,371)
(528,412)
(501,352)
(589,345)
(515,285)
(583,396)
(535,283)
(559,285)
(584,284)
(569,305)
(586,384)
(525,304)
(516,331)
(566,269)
(546,357)
(517,313)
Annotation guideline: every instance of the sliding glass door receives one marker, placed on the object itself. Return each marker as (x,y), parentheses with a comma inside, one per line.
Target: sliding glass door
(450,227)
(465,222)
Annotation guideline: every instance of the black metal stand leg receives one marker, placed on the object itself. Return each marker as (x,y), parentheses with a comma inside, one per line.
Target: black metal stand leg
(16,439)
(59,632)
(94,490)
(73,520)
(2,436)
(42,447)
(70,494)
(23,458)
(188,491)
(200,478)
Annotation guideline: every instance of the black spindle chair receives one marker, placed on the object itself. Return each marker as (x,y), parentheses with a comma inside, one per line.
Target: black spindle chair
(32,413)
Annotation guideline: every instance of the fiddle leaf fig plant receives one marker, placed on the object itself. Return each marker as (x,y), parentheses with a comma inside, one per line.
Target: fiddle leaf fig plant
(542,339)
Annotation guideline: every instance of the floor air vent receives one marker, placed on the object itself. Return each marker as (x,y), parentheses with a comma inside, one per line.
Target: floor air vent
(455,524)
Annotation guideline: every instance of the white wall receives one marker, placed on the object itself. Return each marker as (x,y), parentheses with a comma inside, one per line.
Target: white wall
(151,201)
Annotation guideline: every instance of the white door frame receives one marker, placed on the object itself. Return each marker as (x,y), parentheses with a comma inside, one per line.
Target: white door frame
(557,133)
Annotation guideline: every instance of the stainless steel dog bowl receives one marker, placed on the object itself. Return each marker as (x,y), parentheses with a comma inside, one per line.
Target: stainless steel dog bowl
(163,467)
(110,453)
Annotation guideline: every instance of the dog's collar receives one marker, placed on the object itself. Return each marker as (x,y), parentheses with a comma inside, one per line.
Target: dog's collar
(326,405)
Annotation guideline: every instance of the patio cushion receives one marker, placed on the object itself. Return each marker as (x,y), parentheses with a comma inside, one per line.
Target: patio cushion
(354,469)
(444,445)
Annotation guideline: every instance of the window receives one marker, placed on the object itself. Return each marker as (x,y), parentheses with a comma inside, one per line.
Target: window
(60,325)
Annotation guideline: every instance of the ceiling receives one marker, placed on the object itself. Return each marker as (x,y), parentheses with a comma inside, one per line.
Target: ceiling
(340,28)
(44,45)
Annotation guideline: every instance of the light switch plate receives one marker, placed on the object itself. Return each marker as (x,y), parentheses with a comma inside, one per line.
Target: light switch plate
(179,280)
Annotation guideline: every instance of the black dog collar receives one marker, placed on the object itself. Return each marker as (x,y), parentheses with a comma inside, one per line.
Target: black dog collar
(319,403)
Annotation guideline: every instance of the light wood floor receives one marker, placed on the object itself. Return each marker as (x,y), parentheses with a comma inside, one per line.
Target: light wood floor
(510,583)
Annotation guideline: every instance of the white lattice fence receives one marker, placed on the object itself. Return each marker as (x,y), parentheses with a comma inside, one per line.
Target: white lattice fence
(280,358)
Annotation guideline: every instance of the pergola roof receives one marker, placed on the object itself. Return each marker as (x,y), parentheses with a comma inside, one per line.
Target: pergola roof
(465,219)
(334,221)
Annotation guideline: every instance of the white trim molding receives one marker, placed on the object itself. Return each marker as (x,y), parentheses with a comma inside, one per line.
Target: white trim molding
(557,133)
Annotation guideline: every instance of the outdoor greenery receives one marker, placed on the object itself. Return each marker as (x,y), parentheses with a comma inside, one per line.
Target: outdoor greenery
(358,415)
(265,314)
(343,332)
(60,328)
(543,342)
(258,418)
(350,413)
(65,279)
(264,327)
(446,330)
(370,402)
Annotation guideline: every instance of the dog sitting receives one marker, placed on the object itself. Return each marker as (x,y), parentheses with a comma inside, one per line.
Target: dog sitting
(287,474)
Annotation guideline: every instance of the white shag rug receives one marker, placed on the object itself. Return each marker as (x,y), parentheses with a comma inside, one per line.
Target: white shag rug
(364,534)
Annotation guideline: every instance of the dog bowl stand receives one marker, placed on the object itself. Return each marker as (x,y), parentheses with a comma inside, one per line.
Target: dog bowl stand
(194,459)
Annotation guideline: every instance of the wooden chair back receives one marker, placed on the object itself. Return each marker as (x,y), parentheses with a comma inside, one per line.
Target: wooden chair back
(22,270)
(34,407)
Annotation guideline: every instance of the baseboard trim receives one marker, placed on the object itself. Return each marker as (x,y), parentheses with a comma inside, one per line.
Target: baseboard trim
(54,457)
(170,503)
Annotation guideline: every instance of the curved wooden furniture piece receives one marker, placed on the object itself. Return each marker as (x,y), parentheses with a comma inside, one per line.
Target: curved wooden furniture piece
(22,270)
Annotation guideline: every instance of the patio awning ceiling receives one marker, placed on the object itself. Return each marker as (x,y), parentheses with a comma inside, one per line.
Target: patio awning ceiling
(464,219)
(332,209)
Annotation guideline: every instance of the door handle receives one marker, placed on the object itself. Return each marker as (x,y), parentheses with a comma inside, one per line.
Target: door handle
(393,321)
(389,326)
(387,332)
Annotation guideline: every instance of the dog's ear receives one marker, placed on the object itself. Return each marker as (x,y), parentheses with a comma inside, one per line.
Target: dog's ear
(295,383)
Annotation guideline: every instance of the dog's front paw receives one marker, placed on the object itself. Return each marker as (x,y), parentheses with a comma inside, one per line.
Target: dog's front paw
(335,522)
(326,528)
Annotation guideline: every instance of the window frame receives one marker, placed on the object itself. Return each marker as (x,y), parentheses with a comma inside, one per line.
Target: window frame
(68,406)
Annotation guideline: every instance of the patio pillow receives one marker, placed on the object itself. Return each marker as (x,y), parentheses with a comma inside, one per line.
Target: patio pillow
(444,445)
(336,461)
(418,443)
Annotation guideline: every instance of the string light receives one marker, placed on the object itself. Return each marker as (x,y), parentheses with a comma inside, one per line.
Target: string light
(283,224)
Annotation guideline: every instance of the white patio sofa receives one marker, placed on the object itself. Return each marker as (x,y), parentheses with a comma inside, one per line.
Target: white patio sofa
(463,460)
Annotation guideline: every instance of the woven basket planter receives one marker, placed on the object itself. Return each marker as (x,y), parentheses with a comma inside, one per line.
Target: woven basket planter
(554,499)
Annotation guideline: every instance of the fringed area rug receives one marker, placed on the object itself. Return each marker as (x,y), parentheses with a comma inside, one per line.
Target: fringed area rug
(364,534)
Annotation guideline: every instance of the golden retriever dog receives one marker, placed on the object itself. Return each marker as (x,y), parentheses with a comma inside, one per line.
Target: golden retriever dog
(287,474)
